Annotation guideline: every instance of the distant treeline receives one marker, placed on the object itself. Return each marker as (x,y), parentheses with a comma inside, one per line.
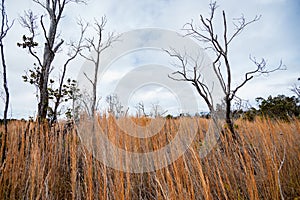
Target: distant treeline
(280,107)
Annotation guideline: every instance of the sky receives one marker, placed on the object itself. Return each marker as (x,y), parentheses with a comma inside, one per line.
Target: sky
(274,37)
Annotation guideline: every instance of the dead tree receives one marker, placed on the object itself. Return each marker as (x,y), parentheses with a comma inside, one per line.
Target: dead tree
(52,45)
(157,110)
(115,107)
(140,108)
(96,45)
(5,27)
(222,68)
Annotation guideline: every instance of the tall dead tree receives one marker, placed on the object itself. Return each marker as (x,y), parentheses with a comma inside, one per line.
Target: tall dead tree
(52,45)
(5,27)
(96,46)
(222,67)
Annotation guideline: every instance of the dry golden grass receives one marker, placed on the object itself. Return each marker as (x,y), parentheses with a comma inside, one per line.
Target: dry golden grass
(51,163)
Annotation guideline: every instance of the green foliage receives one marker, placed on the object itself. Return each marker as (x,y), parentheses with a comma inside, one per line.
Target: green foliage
(33,76)
(280,107)
(169,116)
(69,113)
(250,114)
(27,42)
(66,92)
(69,91)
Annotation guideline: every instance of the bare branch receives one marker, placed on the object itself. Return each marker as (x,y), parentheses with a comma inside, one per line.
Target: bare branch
(90,80)
(207,34)
(98,45)
(5,25)
(195,78)
(29,21)
(296,89)
(217,70)
(260,70)
(74,51)
(35,56)
(41,4)
(86,57)
(240,25)
(56,48)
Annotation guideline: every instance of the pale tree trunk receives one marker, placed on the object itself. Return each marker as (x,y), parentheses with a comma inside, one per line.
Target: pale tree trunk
(97,45)
(48,57)
(95,82)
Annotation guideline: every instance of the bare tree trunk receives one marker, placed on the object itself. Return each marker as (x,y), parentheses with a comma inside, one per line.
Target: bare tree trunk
(95,85)
(3,145)
(48,58)
(5,86)
(98,46)
(228,118)
(4,29)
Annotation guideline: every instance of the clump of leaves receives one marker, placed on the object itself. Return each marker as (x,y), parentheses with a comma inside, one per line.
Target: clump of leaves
(69,91)
(27,42)
(33,76)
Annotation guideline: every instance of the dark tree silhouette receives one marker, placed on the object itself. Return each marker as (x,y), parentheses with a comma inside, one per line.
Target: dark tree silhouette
(5,27)
(222,68)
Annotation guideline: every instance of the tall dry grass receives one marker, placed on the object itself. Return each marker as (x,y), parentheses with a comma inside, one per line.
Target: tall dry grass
(51,163)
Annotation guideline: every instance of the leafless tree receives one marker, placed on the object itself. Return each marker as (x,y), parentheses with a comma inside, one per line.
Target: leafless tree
(5,27)
(222,68)
(140,108)
(52,44)
(157,110)
(115,107)
(97,45)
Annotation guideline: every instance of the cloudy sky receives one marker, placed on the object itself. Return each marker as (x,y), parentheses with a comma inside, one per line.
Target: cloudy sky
(274,37)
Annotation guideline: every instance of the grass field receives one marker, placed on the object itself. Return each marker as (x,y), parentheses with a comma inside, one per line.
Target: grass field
(51,163)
